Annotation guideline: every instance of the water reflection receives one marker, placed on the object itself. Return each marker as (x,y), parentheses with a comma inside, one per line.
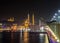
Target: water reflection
(42,38)
(27,37)
(35,37)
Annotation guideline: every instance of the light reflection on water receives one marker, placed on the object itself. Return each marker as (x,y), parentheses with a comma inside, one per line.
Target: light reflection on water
(33,37)
(27,37)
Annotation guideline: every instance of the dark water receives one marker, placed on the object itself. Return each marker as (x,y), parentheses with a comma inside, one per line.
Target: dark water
(34,37)
(24,37)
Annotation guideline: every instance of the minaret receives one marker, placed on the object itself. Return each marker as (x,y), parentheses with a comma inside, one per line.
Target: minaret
(33,23)
(28,18)
(27,21)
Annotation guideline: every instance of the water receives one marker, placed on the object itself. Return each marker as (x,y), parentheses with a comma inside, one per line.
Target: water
(27,37)
(30,37)
(35,37)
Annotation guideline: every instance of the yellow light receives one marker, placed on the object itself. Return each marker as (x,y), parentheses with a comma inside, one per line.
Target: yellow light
(46,39)
(0,23)
(26,35)
(14,28)
(11,19)
(28,18)
(33,19)
(48,28)
(26,23)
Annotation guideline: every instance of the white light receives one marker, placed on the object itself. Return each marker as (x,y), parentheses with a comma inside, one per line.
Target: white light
(0,23)
(42,28)
(59,11)
(41,34)
(58,41)
(28,29)
(58,16)
(55,14)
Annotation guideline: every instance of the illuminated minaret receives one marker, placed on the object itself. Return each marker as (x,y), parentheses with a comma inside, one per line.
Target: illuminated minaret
(28,18)
(33,23)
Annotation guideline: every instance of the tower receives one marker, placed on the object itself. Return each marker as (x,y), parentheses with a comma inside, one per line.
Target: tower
(28,18)
(33,23)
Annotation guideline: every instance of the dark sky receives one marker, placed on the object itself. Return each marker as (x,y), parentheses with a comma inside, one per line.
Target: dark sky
(20,9)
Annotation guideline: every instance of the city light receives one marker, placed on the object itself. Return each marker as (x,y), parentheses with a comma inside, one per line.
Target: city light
(53,34)
(28,21)
(58,40)
(42,29)
(1,24)
(56,14)
(54,17)
(41,34)
(58,17)
(59,11)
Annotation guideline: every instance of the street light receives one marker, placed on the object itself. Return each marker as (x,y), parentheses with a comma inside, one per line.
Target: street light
(56,14)
(54,17)
(59,11)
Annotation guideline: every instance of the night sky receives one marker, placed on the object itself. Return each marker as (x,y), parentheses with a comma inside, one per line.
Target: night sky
(20,9)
